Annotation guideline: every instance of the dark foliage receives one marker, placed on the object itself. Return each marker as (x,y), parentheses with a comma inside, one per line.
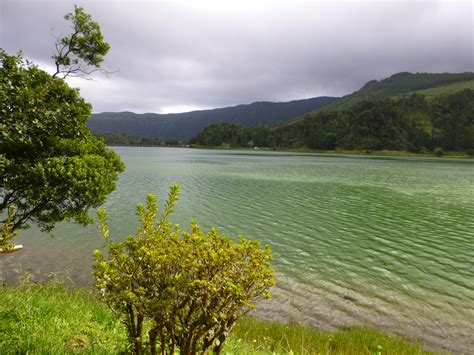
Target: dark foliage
(234,135)
(411,124)
(117,139)
(183,126)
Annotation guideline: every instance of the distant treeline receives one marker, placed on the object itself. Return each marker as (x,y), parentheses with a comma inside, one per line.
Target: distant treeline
(186,125)
(235,135)
(410,123)
(117,139)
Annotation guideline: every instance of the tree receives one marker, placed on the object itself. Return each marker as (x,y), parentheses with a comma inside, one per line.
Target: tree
(191,286)
(82,52)
(51,167)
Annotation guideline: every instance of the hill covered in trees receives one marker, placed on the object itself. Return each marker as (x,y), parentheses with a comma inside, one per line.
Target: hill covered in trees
(186,125)
(413,123)
(311,123)
(406,83)
(444,89)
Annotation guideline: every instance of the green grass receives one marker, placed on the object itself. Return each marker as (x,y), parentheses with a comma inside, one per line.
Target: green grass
(50,319)
(254,336)
(445,89)
(53,320)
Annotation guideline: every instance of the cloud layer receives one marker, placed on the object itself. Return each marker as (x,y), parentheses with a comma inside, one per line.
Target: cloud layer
(173,57)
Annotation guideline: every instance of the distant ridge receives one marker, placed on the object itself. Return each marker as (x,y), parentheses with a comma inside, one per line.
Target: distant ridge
(188,124)
(401,84)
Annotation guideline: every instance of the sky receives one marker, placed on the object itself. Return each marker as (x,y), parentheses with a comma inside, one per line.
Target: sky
(185,55)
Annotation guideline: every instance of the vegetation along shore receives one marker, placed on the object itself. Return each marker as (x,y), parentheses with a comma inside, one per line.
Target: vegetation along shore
(53,319)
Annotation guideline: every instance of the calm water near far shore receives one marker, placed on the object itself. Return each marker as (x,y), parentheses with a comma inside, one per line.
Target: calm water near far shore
(355,239)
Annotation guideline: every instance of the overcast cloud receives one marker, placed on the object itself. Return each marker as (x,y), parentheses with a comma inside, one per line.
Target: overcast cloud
(176,56)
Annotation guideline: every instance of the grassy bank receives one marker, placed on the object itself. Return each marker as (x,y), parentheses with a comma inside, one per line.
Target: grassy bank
(52,319)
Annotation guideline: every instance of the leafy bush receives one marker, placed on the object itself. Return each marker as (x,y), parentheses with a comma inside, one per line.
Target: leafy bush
(191,286)
(439,152)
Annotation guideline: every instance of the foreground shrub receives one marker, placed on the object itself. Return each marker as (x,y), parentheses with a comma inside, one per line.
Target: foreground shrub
(191,286)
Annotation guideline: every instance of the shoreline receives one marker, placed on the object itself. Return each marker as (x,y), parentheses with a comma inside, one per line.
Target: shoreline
(249,336)
(375,153)
(338,152)
(268,312)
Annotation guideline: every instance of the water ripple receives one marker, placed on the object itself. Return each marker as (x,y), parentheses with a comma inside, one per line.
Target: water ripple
(388,242)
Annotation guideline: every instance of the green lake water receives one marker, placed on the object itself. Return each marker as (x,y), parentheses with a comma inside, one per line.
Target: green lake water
(356,240)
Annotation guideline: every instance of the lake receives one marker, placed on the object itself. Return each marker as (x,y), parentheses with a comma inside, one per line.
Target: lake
(356,239)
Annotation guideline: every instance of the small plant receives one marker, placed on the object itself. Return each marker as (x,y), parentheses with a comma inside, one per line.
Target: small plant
(439,152)
(7,231)
(190,287)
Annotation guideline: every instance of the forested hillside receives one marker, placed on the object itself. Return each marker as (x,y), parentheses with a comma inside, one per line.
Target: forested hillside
(403,83)
(411,123)
(189,124)
(444,89)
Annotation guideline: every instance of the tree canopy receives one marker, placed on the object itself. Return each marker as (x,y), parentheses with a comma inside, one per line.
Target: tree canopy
(82,52)
(411,123)
(51,167)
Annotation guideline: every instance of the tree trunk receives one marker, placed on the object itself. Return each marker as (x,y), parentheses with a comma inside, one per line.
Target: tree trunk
(153,333)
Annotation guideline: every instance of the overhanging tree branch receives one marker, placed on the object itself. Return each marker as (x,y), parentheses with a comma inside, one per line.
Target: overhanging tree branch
(82,52)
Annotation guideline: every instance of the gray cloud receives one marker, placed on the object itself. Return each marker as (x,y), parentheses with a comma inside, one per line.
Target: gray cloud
(179,56)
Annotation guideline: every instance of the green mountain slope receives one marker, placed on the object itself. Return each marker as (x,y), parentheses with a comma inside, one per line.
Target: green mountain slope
(188,124)
(406,83)
(410,123)
(444,89)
